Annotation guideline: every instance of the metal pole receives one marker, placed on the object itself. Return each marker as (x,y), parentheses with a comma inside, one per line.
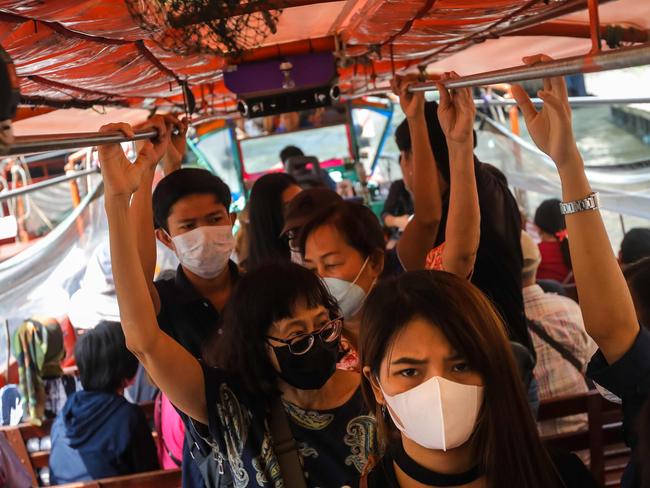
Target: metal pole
(574,101)
(51,142)
(44,184)
(591,63)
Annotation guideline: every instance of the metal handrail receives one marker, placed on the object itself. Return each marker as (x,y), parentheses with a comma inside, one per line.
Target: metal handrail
(50,142)
(573,101)
(591,63)
(7,195)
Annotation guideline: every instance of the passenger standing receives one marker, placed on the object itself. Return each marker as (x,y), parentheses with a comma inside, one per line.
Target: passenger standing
(281,337)
(622,363)
(635,245)
(443,382)
(268,199)
(497,270)
(190,209)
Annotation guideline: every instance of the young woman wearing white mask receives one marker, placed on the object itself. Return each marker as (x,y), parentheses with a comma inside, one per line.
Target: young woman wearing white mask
(451,409)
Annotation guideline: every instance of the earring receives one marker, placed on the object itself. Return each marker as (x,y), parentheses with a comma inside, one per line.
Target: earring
(383,411)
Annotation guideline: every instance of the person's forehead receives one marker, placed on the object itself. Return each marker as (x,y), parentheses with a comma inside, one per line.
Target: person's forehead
(196,204)
(325,239)
(420,339)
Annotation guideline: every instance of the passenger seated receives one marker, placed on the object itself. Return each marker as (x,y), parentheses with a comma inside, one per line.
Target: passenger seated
(268,199)
(442,380)
(12,473)
(635,246)
(622,363)
(554,247)
(98,434)
(38,347)
(562,345)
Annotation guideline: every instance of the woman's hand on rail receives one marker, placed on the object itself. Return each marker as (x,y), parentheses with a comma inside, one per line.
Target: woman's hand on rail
(550,127)
(412,103)
(121,177)
(456,111)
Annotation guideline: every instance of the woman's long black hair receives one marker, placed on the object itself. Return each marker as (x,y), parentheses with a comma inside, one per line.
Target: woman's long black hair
(266,217)
(261,297)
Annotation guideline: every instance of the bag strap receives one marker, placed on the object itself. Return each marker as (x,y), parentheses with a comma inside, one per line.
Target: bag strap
(285,447)
(567,355)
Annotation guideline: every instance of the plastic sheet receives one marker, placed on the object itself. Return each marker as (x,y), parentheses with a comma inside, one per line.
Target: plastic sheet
(95,51)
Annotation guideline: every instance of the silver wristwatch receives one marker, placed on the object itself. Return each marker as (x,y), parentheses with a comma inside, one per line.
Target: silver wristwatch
(591,202)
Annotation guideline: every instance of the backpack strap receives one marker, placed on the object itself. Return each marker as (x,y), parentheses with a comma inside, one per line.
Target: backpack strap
(285,447)
(567,355)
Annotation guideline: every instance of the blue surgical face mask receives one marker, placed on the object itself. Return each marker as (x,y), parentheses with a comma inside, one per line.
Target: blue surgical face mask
(349,295)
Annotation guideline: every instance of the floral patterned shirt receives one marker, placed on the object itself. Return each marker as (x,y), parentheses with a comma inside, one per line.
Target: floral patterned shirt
(334,445)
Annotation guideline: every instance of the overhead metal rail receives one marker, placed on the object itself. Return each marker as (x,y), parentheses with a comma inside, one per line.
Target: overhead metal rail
(53,142)
(590,63)
(574,101)
(24,190)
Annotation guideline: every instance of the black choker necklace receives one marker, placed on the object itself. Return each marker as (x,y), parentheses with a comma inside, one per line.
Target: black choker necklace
(428,477)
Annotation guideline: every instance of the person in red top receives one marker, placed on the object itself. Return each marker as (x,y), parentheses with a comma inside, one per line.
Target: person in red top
(556,260)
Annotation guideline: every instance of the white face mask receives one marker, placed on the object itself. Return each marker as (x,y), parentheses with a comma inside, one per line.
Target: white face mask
(437,414)
(205,251)
(348,295)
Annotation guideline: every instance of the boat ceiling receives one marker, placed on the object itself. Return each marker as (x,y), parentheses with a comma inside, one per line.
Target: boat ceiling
(94,52)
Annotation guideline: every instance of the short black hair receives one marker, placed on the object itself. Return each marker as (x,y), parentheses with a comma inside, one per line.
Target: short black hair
(184,182)
(358,226)
(549,218)
(263,296)
(437,138)
(635,245)
(290,152)
(102,357)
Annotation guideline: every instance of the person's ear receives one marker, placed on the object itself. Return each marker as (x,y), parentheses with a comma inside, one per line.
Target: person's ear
(163,237)
(376,390)
(233,218)
(377,262)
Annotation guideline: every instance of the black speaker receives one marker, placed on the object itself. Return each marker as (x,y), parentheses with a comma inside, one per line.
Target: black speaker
(293,101)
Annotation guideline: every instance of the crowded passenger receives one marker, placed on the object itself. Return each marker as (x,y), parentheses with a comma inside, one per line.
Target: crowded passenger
(622,363)
(554,245)
(638,280)
(497,264)
(268,199)
(190,211)
(439,369)
(12,473)
(317,177)
(98,434)
(562,345)
(635,246)
(398,206)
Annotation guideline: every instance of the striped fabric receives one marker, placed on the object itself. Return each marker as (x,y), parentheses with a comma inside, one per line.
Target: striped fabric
(562,320)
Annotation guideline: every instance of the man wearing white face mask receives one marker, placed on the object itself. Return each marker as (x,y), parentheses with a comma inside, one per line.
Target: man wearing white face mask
(189,209)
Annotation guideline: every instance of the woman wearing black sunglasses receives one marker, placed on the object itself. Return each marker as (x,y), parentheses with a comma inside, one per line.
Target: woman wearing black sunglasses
(281,339)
